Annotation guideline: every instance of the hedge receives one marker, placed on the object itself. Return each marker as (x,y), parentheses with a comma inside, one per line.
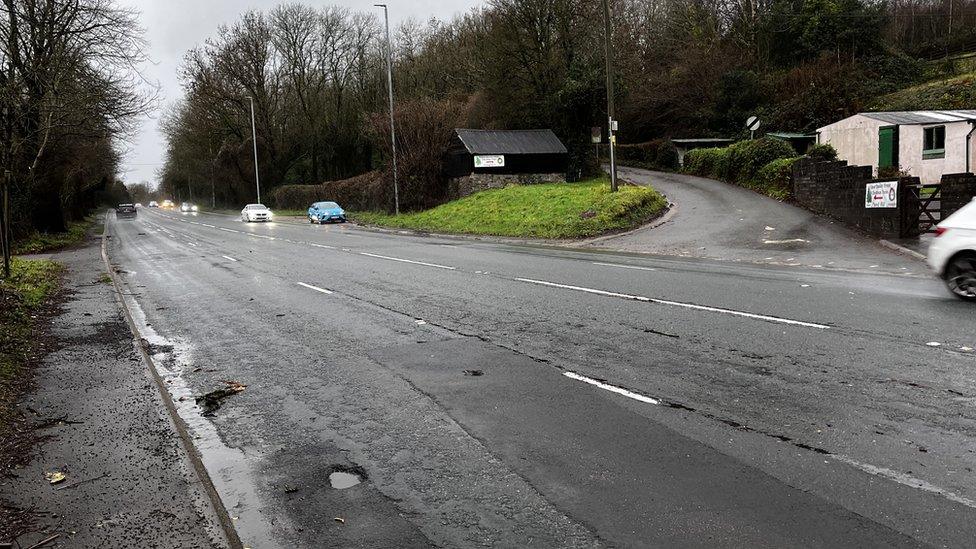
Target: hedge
(755,164)
(363,192)
(658,154)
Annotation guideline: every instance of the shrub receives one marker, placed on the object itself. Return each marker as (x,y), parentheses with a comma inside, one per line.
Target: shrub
(823,151)
(659,154)
(704,162)
(667,155)
(757,153)
(363,192)
(776,178)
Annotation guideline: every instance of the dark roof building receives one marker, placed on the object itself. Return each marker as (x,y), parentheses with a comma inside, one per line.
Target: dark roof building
(505,152)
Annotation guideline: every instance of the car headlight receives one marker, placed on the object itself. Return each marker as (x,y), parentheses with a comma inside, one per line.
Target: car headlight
(195,208)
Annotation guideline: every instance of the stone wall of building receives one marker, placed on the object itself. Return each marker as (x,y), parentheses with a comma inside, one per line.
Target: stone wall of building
(459,187)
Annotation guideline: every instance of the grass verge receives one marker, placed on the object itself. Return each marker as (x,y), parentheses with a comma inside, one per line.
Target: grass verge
(45,242)
(22,298)
(552,210)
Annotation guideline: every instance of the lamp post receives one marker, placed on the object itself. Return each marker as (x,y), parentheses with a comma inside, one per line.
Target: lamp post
(611,133)
(254,137)
(389,85)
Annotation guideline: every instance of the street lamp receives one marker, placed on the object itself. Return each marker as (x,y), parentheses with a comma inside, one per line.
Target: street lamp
(389,83)
(611,129)
(254,137)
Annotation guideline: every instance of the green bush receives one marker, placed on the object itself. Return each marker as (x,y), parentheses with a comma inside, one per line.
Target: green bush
(776,178)
(363,192)
(823,151)
(656,154)
(757,153)
(704,162)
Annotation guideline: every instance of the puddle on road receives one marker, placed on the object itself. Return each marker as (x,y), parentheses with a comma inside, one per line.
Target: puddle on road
(341,480)
(228,467)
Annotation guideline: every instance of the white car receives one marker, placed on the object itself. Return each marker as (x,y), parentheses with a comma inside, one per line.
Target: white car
(256,212)
(953,252)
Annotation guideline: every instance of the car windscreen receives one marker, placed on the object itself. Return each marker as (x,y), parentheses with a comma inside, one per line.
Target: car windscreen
(328,205)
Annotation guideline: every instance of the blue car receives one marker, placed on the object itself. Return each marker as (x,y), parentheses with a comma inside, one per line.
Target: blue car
(326,212)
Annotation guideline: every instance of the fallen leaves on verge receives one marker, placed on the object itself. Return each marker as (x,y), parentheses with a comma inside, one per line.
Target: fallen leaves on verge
(54,477)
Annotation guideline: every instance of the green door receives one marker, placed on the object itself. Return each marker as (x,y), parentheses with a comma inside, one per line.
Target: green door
(888,147)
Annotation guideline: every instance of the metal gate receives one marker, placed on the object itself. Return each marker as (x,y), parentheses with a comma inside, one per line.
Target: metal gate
(930,210)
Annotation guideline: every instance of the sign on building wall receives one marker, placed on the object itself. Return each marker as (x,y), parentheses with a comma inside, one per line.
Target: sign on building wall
(881,195)
(489,161)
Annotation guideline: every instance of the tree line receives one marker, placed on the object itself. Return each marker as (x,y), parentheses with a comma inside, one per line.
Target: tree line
(684,67)
(69,91)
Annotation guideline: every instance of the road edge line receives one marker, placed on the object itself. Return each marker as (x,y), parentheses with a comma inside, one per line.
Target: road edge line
(193,455)
(902,250)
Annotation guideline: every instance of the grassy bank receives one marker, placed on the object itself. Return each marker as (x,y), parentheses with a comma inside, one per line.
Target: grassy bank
(44,242)
(950,93)
(22,297)
(556,210)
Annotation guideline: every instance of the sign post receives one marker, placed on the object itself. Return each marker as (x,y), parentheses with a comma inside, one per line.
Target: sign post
(752,124)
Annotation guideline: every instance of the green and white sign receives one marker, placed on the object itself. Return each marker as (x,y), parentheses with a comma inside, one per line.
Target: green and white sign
(489,161)
(881,195)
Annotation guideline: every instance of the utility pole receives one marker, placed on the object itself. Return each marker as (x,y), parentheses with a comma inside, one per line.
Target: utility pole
(610,121)
(5,224)
(389,85)
(213,183)
(254,137)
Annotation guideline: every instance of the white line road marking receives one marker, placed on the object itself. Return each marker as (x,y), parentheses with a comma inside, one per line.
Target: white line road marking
(679,304)
(322,246)
(211,226)
(261,236)
(229,258)
(789,241)
(192,244)
(408,261)
(228,230)
(624,266)
(316,288)
(612,388)
(907,480)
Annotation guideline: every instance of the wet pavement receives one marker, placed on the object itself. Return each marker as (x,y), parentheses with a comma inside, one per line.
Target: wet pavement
(499,395)
(712,219)
(127,480)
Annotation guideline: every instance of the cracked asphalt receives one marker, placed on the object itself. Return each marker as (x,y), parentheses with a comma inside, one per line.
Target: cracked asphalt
(624,400)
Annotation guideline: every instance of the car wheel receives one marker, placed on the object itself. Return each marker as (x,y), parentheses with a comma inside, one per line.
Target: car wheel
(961,277)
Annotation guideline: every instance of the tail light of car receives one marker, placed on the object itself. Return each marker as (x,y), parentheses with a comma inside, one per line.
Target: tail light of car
(939,231)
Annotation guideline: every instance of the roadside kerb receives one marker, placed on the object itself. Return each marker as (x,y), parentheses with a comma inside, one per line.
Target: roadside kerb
(223,517)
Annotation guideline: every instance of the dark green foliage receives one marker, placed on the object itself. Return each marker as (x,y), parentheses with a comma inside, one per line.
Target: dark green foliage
(363,192)
(823,151)
(759,164)
(659,154)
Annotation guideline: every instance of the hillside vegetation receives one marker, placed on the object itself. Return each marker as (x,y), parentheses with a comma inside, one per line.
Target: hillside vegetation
(958,92)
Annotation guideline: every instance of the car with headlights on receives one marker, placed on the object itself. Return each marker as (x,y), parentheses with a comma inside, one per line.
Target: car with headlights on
(187,207)
(952,253)
(326,212)
(168,205)
(153,204)
(256,212)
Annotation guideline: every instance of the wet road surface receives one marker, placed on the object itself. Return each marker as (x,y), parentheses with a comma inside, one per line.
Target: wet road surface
(499,395)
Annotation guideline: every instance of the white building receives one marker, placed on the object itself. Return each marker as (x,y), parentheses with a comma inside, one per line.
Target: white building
(925,144)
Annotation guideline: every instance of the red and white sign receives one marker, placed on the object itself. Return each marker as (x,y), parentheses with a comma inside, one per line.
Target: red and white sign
(881,195)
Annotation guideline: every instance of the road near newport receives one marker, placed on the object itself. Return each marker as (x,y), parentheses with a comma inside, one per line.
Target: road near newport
(493,394)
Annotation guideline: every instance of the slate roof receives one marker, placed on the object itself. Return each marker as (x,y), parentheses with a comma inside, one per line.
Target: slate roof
(511,142)
(921,117)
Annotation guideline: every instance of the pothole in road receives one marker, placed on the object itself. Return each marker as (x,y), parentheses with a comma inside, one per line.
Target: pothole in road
(343,477)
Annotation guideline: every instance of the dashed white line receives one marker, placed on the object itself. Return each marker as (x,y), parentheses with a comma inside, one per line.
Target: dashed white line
(409,261)
(612,388)
(228,230)
(322,246)
(208,225)
(260,236)
(636,268)
(229,258)
(692,306)
(316,288)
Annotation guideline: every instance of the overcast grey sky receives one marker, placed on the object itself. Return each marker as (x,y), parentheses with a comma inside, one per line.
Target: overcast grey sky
(174,26)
